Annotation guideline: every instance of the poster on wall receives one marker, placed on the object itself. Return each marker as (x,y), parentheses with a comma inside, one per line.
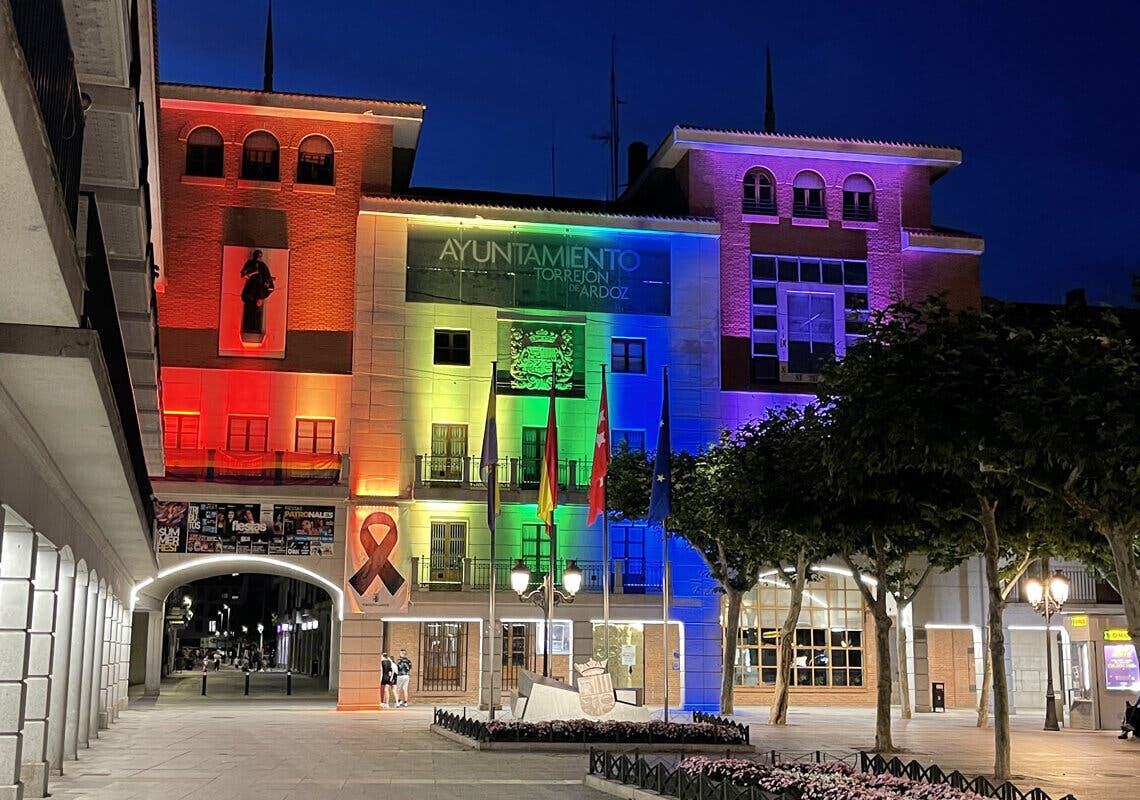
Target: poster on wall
(1121,668)
(253,528)
(254,302)
(379,563)
(531,351)
(570,269)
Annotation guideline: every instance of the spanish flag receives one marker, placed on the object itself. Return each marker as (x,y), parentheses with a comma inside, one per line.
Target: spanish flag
(548,484)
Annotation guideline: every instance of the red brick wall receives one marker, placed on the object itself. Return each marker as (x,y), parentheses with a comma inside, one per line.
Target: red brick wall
(321,223)
(957,275)
(950,660)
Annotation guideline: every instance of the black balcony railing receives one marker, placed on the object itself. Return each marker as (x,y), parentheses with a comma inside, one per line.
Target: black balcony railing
(855,213)
(101,315)
(809,211)
(447,573)
(1085,587)
(462,472)
(41,29)
(766,207)
(273,467)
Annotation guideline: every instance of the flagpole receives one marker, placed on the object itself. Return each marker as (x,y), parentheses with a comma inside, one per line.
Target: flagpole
(665,611)
(606,552)
(493,476)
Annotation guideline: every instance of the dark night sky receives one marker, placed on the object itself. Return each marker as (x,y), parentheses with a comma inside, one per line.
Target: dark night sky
(1043,97)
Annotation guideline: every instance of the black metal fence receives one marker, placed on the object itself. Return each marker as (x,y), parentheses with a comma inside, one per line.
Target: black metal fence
(723,722)
(666,779)
(678,735)
(41,29)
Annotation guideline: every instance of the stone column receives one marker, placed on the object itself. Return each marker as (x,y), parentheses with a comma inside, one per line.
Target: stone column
(154,628)
(97,690)
(37,698)
(61,663)
(112,705)
(75,668)
(17,566)
(334,650)
(124,656)
(87,689)
(102,717)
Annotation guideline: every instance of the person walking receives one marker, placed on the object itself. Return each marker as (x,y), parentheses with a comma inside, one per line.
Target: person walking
(403,677)
(387,681)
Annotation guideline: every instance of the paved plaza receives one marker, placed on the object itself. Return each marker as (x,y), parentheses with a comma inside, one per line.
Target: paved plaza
(217,748)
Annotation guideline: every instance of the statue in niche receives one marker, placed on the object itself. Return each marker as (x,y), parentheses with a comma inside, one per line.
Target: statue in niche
(258,286)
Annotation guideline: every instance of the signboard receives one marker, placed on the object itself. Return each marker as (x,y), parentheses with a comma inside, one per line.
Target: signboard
(1121,669)
(192,527)
(1117,635)
(628,655)
(379,563)
(530,352)
(1079,620)
(568,269)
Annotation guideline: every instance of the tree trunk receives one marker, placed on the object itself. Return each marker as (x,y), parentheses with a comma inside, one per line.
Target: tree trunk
(996,606)
(733,599)
(987,680)
(1122,542)
(883,742)
(785,653)
(904,676)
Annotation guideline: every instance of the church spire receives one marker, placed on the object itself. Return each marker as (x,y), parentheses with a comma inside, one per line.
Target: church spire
(267,82)
(769,102)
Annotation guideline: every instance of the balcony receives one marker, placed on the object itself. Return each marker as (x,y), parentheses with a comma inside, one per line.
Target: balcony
(447,574)
(757,206)
(271,468)
(1085,587)
(858,213)
(458,478)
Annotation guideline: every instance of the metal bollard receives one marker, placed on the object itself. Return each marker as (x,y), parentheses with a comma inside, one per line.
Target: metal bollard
(203,681)
(247,682)
(288,682)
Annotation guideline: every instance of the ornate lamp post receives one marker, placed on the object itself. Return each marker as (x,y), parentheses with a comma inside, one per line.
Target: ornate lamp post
(1047,597)
(547,595)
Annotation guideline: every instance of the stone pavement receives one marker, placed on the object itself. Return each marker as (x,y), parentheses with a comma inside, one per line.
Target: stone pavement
(229,682)
(185,746)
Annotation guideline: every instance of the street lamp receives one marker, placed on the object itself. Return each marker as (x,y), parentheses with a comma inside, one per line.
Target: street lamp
(1047,597)
(547,595)
(261,640)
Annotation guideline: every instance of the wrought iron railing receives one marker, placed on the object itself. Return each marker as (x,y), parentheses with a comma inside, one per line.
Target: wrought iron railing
(447,573)
(462,472)
(809,211)
(273,467)
(670,781)
(1085,586)
(41,29)
(765,207)
(853,213)
(713,719)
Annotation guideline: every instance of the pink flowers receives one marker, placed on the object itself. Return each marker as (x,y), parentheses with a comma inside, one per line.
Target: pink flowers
(828,781)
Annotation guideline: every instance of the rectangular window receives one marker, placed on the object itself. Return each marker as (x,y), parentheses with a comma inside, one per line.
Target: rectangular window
(536,549)
(627,542)
(857,206)
(627,355)
(248,434)
(452,348)
(314,435)
(448,549)
(443,656)
(180,431)
(530,465)
(634,441)
(518,653)
(561,631)
(807,202)
(811,331)
(448,451)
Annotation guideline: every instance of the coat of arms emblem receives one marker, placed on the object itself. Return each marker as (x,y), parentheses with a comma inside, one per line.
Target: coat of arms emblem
(595,688)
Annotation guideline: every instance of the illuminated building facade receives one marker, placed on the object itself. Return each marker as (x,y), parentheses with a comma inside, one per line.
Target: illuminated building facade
(368,324)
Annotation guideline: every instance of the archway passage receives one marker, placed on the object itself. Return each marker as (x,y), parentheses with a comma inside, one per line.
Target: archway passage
(243,624)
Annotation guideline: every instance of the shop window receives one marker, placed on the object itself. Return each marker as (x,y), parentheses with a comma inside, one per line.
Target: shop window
(204,151)
(180,431)
(631,440)
(443,656)
(759,193)
(260,157)
(828,635)
(452,348)
(561,632)
(858,198)
(807,196)
(627,355)
(448,451)
(248,434)
(315,161)
(314,435)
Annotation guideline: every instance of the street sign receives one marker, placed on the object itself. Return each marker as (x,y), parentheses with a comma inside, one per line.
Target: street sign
(1079,620)
(1117,635)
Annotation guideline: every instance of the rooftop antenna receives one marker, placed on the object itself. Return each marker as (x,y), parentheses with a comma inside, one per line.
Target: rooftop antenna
(613,135)
(267,80)
(769,101)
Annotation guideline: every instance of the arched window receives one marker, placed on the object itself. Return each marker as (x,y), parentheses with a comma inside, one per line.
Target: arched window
(260,157)
(858,198)
(807,196)
(759,193)
(315,161)
(204,153)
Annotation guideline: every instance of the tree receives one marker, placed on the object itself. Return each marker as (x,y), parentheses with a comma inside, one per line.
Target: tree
(928,390)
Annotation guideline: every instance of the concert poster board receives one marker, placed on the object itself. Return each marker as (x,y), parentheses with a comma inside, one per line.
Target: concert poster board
(254,528)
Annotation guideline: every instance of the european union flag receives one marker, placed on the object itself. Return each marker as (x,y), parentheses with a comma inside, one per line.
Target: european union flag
(659,496)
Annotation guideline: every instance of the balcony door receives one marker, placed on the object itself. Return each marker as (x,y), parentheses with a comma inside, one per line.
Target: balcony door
(448,449)
(627,542)
(530,465)
(448,549)
(518,652)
